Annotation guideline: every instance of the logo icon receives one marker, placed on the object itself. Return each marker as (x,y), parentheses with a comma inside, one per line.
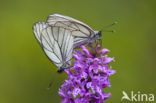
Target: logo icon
(125,96)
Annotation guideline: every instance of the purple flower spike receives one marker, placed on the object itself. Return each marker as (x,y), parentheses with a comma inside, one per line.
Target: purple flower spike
(88,77)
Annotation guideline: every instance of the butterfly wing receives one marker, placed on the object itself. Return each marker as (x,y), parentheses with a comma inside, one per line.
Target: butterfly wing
(56,42)
(82,32)
(37,28)
(55,19)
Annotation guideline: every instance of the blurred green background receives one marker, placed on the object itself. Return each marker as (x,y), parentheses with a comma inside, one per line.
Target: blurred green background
(25,72)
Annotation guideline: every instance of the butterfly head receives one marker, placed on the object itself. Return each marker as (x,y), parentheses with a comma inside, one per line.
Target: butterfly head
(99,33)
(63,67)
(96,37)
(60,70)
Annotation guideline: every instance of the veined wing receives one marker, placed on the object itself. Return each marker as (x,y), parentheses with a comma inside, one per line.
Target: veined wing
(78,41)
(71,24)
(37,29)
(57,43)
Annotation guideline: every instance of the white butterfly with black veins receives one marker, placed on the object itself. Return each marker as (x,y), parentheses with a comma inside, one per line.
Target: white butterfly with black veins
(60,35)
(82,33)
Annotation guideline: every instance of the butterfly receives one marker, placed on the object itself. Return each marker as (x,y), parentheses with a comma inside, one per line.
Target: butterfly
(60,35)
(82,33)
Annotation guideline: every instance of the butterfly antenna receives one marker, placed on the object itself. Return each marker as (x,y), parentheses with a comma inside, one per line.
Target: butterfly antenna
(108,26)
(112,31)
(50,84)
